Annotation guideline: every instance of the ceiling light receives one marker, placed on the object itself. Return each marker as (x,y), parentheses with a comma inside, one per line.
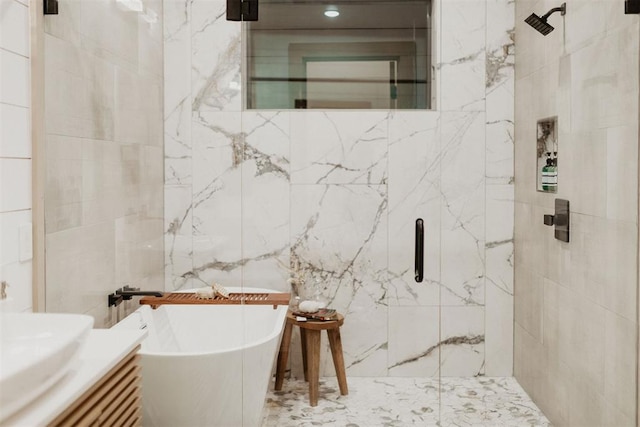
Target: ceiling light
(331,13)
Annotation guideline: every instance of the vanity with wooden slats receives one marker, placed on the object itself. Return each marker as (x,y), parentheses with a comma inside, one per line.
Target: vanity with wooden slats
(112,401)
(102,388)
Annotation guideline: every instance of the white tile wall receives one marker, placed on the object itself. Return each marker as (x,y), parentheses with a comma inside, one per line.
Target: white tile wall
(15,149)
(16,273)
(14,87)
(14,25)
(15,131)
(15,186)
(104,194)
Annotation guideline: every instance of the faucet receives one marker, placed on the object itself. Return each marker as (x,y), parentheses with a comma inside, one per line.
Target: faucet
(128,292)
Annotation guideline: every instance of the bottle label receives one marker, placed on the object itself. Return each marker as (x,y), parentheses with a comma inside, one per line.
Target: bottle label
(552,184)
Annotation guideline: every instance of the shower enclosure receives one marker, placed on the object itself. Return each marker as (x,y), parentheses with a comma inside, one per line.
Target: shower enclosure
(286,147)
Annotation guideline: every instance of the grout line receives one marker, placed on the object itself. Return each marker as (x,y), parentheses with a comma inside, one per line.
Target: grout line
(14,105)
(16,210)
(4,49)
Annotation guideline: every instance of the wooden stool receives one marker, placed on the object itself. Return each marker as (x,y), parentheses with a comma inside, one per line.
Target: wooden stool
(310,340)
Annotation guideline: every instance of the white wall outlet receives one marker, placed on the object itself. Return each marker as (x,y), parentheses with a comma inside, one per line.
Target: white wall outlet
(26,242)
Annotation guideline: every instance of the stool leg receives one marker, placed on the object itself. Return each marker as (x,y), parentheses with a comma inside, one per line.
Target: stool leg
(313,356)
(303,343)
(283,355)
(338,360)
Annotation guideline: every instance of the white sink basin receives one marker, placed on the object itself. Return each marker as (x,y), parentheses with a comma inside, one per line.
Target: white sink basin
(36,350)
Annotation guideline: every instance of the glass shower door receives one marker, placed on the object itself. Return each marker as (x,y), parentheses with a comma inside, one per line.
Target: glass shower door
(341,157)
(276,185)
(334,193)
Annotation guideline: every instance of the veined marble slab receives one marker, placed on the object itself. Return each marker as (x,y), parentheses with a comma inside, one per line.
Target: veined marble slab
(247,191)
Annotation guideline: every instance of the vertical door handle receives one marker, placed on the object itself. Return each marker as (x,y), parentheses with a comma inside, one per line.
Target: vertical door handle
(419,253)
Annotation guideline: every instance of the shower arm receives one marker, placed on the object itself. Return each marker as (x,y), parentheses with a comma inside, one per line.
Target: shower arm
(562,9)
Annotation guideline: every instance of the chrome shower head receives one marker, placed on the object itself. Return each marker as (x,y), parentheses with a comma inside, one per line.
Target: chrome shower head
(540,24)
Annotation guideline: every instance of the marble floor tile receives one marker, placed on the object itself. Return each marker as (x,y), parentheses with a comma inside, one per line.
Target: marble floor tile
(391,401)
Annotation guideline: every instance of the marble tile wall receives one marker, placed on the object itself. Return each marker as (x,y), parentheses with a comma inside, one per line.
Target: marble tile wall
(576,320)
(339,191)
(104,155)
(15,151)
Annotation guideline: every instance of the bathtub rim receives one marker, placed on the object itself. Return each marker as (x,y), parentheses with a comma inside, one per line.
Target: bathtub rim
(274,333)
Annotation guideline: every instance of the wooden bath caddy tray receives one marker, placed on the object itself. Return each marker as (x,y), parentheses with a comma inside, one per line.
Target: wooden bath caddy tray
(250,298)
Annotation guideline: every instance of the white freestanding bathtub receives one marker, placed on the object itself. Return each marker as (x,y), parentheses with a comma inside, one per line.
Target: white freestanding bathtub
(207,365)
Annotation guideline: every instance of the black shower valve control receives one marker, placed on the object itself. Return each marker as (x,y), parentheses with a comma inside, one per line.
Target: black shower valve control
(632,7)
(560,220)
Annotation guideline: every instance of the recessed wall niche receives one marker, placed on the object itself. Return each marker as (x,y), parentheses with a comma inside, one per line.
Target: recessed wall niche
(547,155)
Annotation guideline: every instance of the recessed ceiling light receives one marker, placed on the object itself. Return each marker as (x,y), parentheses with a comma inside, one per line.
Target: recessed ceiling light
(331,13)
